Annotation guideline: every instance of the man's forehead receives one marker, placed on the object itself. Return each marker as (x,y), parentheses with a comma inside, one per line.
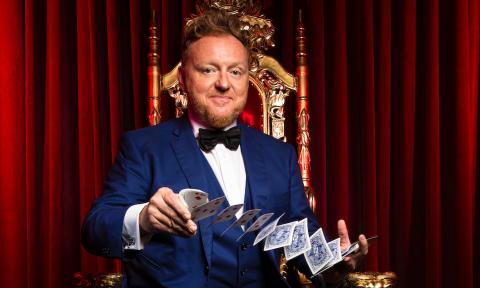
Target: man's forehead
(217,47)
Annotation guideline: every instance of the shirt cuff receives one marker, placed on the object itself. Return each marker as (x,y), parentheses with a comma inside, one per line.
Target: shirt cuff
(132,239)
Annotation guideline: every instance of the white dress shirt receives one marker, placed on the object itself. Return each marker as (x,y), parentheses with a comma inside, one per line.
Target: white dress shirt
(228,167)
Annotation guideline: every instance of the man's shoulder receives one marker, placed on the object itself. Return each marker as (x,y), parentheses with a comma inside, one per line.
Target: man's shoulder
(264,139)
(158,133)
(167,126)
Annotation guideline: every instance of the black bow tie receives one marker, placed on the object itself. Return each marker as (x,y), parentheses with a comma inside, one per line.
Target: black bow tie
(208,139)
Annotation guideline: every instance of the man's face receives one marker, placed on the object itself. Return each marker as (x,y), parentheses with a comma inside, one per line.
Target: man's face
(215,77)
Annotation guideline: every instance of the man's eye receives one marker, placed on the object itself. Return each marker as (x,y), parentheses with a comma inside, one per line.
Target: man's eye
(208,70)
(236,72)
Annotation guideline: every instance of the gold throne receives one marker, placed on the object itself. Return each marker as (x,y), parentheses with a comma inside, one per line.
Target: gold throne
(270,85)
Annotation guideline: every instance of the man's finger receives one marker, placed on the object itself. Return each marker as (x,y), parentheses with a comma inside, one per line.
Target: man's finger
(174,202)
(164,223)
(169,228)
(178,212)
(343,233)
(353,259)
(363,244)
(170,218)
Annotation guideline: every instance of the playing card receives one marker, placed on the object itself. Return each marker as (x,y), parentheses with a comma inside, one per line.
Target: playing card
(193,198)
(246,216)
(208,209)
(334,246)
(281,236)
(319,255)
(227,213)
(267,230)
(257,224)
(300,242)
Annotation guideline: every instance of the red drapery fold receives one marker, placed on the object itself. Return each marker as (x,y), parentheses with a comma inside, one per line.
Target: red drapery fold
(394,126)
(12,145)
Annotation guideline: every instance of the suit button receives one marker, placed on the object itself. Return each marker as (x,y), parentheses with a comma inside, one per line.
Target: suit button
(244,246)
(206,269)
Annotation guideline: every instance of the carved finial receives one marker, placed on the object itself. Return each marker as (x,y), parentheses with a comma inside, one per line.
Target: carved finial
(154,17)
(301,40)
(154,113)
(249,7)
(259,28)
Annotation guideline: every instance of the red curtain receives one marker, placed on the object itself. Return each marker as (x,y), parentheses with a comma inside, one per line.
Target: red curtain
(394,104)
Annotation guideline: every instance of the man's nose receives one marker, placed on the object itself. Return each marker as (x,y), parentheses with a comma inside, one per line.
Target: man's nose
(223,83)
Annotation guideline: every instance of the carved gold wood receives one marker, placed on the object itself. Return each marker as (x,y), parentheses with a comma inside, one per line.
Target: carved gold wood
(303,133)
(171,85)
(274,84)
(249,7)
(371,279)
(260,29)
(154,87)
(303,113)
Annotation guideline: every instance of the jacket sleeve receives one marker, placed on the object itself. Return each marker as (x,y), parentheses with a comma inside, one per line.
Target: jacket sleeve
(127,184)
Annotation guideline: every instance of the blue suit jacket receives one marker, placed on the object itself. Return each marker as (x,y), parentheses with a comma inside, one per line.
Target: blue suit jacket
(167,155)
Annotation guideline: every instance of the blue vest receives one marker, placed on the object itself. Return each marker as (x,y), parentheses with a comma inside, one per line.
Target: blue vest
(234,263)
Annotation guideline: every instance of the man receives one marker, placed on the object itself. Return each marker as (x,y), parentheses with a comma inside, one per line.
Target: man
(140,217)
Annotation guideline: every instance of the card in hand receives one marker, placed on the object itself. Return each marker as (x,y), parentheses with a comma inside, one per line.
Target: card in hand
(246,216)
(208,209)
(319,255)
(355,246)
(300,242)
(280,237)
(257,224)
(334,246)
(193,198)
(227,213)
(352,249)
(267,230)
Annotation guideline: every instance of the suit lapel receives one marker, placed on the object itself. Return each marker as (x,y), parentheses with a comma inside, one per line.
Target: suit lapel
(188,154)
(257,177)
(255,168)
(189,157)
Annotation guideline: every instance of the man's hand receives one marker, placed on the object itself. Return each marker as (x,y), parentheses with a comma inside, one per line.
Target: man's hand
(166,212)
(350,262)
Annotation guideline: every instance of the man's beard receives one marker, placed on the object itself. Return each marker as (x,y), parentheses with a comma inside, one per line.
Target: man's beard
(208,117)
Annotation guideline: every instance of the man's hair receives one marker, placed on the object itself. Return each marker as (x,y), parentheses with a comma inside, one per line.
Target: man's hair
(214,22)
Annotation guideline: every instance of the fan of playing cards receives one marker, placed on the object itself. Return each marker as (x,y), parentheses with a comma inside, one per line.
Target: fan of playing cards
(293,237)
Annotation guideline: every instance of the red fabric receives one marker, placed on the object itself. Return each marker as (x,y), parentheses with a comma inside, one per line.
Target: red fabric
(394,125)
